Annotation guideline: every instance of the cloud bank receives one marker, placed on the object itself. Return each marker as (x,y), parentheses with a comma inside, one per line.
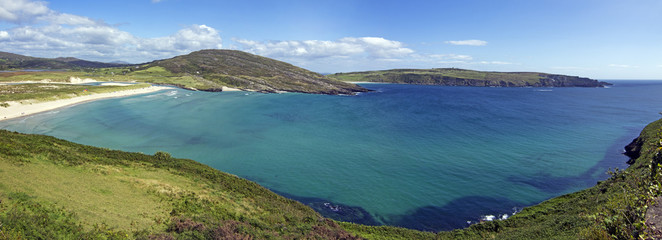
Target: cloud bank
(40,31)
(368,47)
(36,30)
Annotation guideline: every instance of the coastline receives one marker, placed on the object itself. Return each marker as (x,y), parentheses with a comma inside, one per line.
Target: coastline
(16,109)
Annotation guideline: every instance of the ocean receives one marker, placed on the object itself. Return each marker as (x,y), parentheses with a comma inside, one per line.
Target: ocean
(423,157)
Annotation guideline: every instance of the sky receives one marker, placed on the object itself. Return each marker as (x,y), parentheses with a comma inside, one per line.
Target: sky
(600,39)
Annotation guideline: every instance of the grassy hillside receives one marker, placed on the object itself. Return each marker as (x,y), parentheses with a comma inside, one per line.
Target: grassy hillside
(208,70)
(53,189)
(247,71)
(462,77)
(9,61)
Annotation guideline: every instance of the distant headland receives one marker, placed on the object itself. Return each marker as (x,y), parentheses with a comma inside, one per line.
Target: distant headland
(463,77)
(216,70)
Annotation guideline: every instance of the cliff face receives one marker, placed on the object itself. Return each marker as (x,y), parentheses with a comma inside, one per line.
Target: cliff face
(462,77)
(552,80)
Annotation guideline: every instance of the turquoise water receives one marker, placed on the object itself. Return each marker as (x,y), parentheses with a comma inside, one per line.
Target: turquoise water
(424,157)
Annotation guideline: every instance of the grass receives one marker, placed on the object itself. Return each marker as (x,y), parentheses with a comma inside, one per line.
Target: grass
(96,194)
(86,191)
(39,92)
(462,77)
(208,70)
(55,76)
(81,191)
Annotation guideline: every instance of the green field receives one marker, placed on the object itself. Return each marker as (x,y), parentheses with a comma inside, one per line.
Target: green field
(39,92)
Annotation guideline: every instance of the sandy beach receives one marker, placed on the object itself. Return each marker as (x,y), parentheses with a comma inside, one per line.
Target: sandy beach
(16,109)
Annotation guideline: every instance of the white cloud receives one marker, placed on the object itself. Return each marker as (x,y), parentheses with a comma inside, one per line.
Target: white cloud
(370,47)
(468,42)
(66,19)
(18,11)
(43,32)
(189,39)
(26,12)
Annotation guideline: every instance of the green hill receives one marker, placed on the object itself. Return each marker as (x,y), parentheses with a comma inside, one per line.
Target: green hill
(10,61)
(55,189)
(462,77)
(252,72)
(207,70)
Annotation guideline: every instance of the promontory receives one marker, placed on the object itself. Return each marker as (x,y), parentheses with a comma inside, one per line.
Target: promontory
(462,77)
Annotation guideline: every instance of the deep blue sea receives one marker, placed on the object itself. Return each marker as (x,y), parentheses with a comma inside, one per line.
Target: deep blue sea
(423,157)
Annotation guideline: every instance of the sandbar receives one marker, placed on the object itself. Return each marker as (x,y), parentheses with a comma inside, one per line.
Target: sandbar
(17,109)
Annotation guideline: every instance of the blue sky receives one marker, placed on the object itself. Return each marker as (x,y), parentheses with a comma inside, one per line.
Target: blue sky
(602,39)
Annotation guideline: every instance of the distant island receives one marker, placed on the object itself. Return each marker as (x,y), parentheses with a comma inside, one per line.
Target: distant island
(462,77)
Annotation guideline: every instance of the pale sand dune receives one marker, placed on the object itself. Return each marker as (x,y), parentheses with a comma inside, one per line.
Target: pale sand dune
(16,109)
(229,89)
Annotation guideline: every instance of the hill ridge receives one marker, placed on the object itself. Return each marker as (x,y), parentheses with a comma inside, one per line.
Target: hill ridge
(464,77)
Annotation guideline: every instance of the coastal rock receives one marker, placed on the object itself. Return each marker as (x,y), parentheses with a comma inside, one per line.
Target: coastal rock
(633,150)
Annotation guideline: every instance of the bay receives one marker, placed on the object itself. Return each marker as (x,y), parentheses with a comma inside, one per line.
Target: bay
(423,157)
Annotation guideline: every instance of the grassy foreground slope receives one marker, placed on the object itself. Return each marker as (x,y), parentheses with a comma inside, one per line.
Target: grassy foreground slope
(462,77)
(55,189)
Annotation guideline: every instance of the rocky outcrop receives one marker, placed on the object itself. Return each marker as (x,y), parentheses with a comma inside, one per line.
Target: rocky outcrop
(633,149)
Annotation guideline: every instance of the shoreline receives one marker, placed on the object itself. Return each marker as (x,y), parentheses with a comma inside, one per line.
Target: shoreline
(16,110)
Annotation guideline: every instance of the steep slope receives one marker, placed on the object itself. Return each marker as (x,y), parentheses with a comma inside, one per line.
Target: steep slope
(16,61)
(251,72)
(462,77)
(55,189)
